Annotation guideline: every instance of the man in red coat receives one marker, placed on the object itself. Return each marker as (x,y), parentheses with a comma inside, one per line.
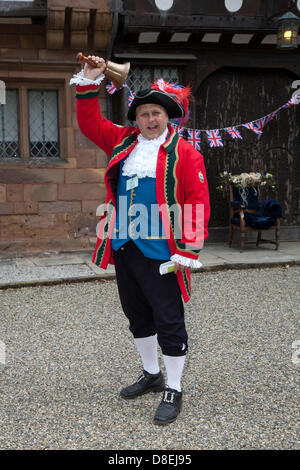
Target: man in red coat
(154,169)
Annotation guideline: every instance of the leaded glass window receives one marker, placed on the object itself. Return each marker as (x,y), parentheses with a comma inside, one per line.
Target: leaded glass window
(9,126)
(140,78)
(43,123)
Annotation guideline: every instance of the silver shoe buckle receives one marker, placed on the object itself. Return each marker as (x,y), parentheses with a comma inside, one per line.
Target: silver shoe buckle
(171,399)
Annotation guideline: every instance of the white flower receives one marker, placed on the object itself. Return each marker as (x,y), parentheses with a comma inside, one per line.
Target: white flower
(225,173)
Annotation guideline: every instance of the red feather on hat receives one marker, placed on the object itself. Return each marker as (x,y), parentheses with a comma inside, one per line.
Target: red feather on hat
(180,94)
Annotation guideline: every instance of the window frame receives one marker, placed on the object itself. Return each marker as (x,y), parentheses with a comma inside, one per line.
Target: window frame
(57,120)
(18,121)
(23,86)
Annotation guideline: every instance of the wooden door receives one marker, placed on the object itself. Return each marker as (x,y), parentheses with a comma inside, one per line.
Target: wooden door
(232,96)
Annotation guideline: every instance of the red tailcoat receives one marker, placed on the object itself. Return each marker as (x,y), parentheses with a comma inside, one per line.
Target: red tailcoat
(180,179)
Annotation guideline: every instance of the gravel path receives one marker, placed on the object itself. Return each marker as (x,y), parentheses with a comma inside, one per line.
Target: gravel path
(69,351)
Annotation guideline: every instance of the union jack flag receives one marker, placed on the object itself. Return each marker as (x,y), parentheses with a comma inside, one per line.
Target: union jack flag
(289,103)
(175,126)
(296,99)
(111,88)
(251,126)
(214,138)
(233,132)
(260,123)
(131,97)
(177,129)
(194,138)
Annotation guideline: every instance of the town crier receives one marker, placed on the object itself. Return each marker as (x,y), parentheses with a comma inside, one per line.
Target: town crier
(154,172)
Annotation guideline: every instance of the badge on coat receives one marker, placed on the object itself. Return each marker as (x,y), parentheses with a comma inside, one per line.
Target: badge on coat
(201,176)
(132,183)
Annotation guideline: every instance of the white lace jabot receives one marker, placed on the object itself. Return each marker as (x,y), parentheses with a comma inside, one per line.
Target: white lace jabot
(143,158)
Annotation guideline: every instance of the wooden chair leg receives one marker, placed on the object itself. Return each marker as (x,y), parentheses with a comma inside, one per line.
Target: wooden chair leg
(277,234)
(242,241)
(258,238)
(230,235)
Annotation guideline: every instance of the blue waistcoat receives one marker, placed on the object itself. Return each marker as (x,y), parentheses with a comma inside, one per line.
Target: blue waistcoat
(137,218)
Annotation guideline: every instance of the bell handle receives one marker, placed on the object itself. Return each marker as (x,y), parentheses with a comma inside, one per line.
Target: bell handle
(82,58)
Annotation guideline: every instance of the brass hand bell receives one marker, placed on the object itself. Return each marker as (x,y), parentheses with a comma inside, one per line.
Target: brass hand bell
(117,73)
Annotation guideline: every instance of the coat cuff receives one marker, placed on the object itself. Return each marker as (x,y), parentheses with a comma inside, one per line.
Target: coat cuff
(87,91)
(189,262)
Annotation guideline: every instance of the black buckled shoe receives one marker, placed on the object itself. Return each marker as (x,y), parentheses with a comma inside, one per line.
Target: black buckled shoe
(169,407)
(144,384)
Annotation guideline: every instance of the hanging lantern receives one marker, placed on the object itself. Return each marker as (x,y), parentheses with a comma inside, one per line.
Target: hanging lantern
(288,31)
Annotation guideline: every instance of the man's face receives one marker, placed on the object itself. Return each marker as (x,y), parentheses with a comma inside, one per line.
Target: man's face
(152,120)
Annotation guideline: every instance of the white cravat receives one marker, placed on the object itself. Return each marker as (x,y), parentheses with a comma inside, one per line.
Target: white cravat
(143,158)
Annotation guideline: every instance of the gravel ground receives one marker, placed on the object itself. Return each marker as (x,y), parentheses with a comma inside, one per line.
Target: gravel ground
(19,274)
(69,351)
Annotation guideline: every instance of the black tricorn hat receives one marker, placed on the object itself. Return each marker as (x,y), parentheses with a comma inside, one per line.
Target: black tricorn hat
(172,97)
(152,96)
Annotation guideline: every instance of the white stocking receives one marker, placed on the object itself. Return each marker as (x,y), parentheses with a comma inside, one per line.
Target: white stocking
(147,347)
(174,367)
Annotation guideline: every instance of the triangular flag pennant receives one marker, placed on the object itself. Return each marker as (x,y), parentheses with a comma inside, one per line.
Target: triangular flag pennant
(233,132)
(252,127)
(180,131)
(194,138)
(289,103)
(296,99)
(131,97)
(175,126)
(214,138)
(260,123)
(111,88)
(177,129)
(271,116)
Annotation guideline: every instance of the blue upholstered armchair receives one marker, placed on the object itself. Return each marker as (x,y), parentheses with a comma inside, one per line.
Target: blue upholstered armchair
(249,214)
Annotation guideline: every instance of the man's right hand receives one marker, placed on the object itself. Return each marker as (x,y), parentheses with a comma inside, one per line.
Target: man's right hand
(93,72)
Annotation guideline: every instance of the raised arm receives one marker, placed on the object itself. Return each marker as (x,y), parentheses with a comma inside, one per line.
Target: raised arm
(92,124)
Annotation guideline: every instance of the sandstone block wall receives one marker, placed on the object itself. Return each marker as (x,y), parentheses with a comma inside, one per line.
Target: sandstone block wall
(50,203)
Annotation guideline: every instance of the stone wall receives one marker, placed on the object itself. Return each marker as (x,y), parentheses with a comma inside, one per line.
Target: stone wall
(50,203)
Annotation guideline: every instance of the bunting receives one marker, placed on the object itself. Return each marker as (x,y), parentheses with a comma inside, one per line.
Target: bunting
(271,116)
(289,104)
(252,127)
(233,132)
(260,124)
(177,128)
(130,97)
(111,88)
